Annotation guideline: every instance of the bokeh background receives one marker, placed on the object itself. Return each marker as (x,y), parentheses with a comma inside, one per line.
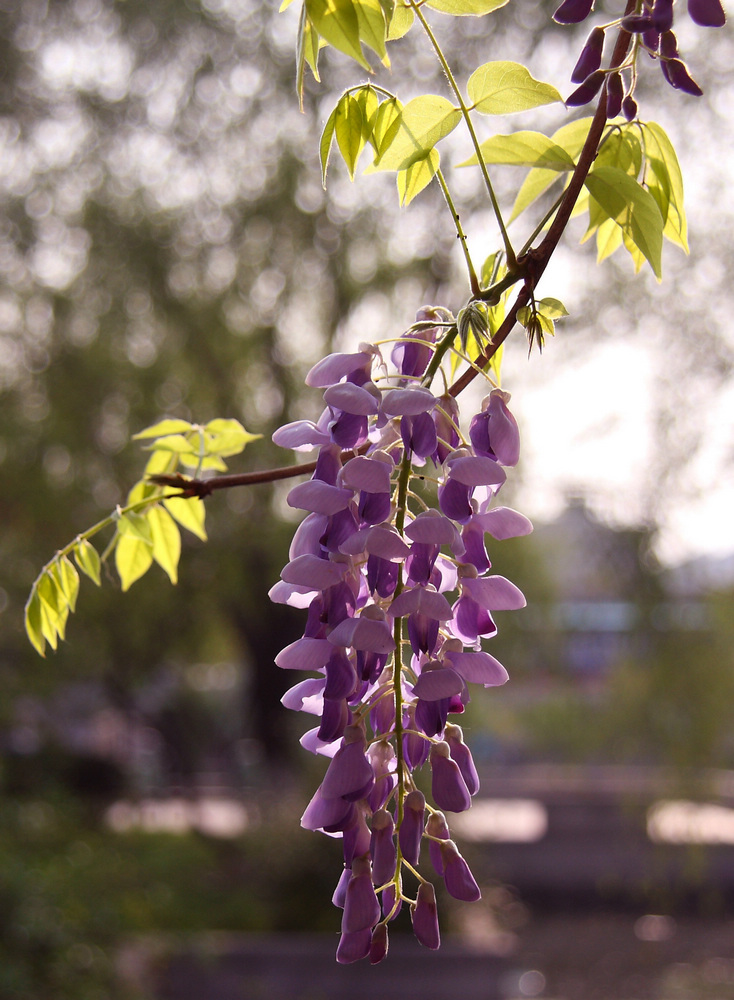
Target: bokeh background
(166,248)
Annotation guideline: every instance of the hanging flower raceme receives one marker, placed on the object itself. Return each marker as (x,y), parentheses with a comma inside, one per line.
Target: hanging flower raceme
(399,594)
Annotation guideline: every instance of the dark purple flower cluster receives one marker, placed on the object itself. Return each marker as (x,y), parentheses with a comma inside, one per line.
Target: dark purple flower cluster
(653,22)
(391,654)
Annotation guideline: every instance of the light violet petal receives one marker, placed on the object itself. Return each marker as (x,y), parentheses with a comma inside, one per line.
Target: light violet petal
(476,470)
(504,522)
(423,601)
(310,741)
(432,527)
(311,571)
(495,593)
(305,654)
(348,771)
(407,402)
(370,474)
(319,497)
(478,668)
(351,398)
(307,536)
(300,435)
(306,696)
(442,682)
(295,597)
(460,882)
(363,633)
(361,906)
(335,367)
(321,812)
(425,917)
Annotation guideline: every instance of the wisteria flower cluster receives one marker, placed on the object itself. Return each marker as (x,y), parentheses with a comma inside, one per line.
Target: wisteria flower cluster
(652,24)
(373,564)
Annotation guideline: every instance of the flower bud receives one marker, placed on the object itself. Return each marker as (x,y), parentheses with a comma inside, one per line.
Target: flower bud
(615,95)
(707,13)
(379,944)
(590,57)
(587,91)
(573,11)
(460,882)
(629,108)
(675,72)
(411,828)
(447,785)
(425,917)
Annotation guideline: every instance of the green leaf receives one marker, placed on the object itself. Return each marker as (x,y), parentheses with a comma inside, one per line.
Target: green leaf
(164,427)
(87,559)
(501,88)
(621,149)
(372,27)
(664,181)
(400,23)
(226,437)
(418,175)
(68,579)
(166,541)
(571,138)
(327,138)
(369,103)
(458,8)
(424,121)
(523,149)
(350,131)
(337,22)
(33,625)
(190,513)
(136,526)
(633,209)
(386,125)
(133,558)
(160,462)
(307,52)
(552,308)
(177,443)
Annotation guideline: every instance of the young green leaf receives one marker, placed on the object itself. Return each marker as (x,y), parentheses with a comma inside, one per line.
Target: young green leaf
(135,525)
(33,623)
(226,437)
(350,131)
(166,541)
(163,428)
(502,88)
(307,53)
(418,175)
(190,514)
(424,122)
(68,580)
(87,559)
(386,125)
(523,149)
(337,22)
(633,209)
(133,558)
(400,23)
(373,27)
(326,142)
(621,149)
(664,181)
(466,8)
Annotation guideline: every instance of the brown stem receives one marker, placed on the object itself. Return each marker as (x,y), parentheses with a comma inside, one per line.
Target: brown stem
(205,487)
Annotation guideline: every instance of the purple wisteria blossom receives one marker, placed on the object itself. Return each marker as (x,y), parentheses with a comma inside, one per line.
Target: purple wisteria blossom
(399,597)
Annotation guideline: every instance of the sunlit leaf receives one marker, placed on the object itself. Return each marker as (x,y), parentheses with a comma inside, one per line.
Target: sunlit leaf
(133,558)
(136,526)
(467,8)
(372,26)
(350,131)
(68,579)
(226,437)
(327,138)
(160,463)
(553,308)
(400,23)
(632,207)
(337,22)
(307,53)
(418,175)
(190,513)
(664,181)
(386,125)
(501,88)
(424,121)
(164,427)
(87,559)
(621,149)
(33,624)
(524,149)
(166,541)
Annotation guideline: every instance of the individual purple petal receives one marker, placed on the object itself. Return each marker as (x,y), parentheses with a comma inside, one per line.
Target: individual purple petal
(494,593)
(319,497)
(675,72)
(306,696)
(503,522)
(382,847)
(304,654)
(477,667)
(348,430)
(447,784)
(373,508)
(382,713)
(461,753)
(307,536)
(328,465)
(662,15)
(590,57)
(422,633)
(300,435)
(339,527)
(474,551)
(454,500)
(459,881)
(407,402)
(424,600)
(587,91)
(637,24)
(363,633)
(356,840)
(389,909)
(349,770)
(419,434)
(361,906)
(419,564)
(379,944)
(669,45)
(334,719)
(651,41)
(362,473)
(314,572)
(476,470)
(430,716)
(411,828)
(370,665)
(382,576)
(378,540)
(335,367)
(446,419)
(437,682)
(340,892)
(436,828)
(431,527)
(322,813)
(471,620)
(425,917)
(351,399)
(415,747)
(499,437)
(615,95)
(382,758)
(341,677)
(295,597)
(353,946)
(707,13)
